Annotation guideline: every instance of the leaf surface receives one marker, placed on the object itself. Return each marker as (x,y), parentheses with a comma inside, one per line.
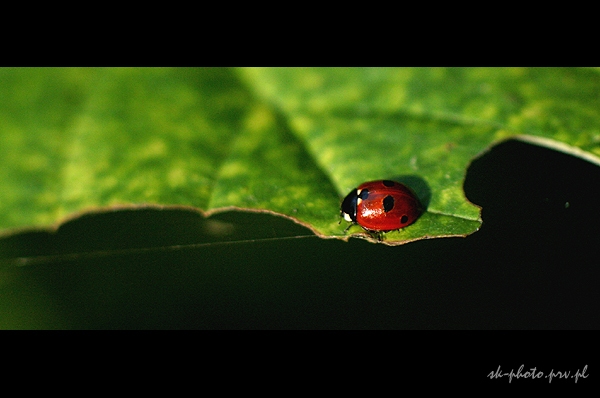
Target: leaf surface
(290,141)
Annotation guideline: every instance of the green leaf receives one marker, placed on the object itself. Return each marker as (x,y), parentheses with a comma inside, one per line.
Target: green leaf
(288,141)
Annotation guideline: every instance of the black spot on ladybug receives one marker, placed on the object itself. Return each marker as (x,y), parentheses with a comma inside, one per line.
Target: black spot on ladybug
(388,183)
(364,194)
(404,219)
(388,203)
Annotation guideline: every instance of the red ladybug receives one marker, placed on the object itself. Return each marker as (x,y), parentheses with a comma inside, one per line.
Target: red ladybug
(380,206)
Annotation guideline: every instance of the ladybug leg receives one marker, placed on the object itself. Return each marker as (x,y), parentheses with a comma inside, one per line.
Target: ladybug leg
(348,227)
(375,234)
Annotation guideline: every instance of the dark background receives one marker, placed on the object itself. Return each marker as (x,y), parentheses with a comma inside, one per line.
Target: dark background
(533,265)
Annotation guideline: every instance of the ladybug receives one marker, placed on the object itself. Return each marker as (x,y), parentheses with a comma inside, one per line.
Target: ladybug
(380,206)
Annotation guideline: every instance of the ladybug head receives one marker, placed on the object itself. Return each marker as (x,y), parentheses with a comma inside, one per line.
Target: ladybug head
(351,201)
